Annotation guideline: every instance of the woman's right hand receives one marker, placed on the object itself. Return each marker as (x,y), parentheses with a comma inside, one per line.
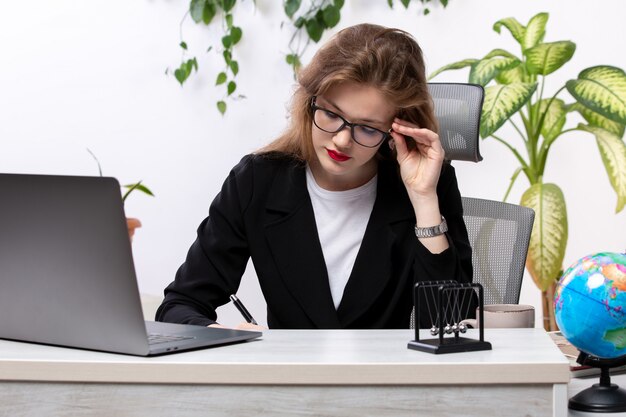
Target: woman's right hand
(249,326)
(240,326)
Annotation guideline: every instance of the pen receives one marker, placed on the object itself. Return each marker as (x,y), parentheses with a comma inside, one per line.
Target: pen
(242,309)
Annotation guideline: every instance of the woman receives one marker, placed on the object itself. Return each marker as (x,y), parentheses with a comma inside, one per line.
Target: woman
(345,211)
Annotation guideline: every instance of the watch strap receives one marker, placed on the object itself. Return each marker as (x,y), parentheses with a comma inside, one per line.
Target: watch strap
(424,232)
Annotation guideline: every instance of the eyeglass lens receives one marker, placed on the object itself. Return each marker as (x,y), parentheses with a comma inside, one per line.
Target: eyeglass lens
(332,123)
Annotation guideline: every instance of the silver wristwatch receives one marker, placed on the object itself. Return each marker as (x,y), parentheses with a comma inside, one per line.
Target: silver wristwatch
(432,231)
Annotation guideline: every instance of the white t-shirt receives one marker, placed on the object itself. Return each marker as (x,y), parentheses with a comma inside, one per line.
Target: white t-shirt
(341,218)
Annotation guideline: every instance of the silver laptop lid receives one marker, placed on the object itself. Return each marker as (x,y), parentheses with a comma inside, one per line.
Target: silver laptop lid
(66,269)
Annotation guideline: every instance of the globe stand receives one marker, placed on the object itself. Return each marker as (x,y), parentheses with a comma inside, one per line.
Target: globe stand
(604,397)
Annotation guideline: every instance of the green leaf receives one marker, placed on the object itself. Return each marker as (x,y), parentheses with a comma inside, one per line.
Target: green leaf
(190,65)
(234,67)
(314,29)
(229,20)
(221,78)
(331,16)
(291,7)
(319,16)
(500,52)
(232,86)
(138,186)
(453,66)
(235,35)
(444,3)
(486,69)
(293,60)
(426,11)
(596,119)
(185,69)
(183,45)
(227,57)
(549,236)
(227,41)
(209,11)
(405,3)
(502,102)
(516,28)
(221,106)
(181,75)
(339,4)
(227,5)
(535,30)
(546,58)
(390,3)
(555,117)
(202,10)
(603,90)
(196,9)
(513,75)
(299,22)
(613,153)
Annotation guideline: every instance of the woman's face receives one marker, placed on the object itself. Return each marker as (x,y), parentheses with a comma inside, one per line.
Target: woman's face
(341,163)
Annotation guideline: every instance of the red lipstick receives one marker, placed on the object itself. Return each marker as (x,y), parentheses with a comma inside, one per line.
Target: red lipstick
(337,156)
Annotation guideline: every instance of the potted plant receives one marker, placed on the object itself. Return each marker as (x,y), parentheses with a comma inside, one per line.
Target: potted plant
(131,222)
(516,92)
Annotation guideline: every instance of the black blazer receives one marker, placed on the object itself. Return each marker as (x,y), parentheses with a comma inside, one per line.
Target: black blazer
(264,212)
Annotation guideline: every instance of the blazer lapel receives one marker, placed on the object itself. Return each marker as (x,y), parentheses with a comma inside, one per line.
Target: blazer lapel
(293,240)
(372,268)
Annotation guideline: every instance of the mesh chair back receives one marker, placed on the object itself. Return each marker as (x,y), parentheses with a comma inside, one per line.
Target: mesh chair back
(499,234)
(458,108)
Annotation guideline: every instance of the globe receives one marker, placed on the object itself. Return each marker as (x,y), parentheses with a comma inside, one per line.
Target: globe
(590,305)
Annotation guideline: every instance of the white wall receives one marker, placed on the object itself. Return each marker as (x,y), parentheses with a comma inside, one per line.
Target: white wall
(90,74)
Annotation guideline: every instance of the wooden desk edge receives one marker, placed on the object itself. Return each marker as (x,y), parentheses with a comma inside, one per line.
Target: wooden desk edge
(284,373)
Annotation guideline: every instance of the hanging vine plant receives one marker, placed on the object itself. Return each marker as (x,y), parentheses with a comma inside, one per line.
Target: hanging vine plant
(309,25)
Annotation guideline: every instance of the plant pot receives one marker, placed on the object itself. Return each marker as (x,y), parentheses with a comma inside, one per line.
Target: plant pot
(132,224)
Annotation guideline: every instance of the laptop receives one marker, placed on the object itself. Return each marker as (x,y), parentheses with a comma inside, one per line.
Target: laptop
(67,276)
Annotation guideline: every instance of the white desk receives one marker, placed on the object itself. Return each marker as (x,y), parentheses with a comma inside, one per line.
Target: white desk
(291,373)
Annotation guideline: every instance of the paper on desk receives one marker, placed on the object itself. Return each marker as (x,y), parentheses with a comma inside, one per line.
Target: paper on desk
(571,353)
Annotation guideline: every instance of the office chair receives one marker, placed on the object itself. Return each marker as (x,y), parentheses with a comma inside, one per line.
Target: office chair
(498,232)
(458,108)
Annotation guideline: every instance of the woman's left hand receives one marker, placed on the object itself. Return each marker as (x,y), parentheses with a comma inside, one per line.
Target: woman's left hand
(419,167)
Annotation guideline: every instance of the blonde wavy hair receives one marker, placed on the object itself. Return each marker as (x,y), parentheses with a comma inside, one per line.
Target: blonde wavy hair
(387,59)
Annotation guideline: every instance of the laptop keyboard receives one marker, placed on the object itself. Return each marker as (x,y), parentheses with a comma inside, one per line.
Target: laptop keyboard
(156,338)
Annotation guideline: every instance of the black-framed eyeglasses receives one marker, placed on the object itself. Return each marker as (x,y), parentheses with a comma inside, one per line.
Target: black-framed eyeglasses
(331,122)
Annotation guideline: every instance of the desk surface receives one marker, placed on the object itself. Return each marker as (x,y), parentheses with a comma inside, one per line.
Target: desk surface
(281,357)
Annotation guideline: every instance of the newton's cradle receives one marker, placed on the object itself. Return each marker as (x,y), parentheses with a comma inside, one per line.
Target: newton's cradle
(447,304)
